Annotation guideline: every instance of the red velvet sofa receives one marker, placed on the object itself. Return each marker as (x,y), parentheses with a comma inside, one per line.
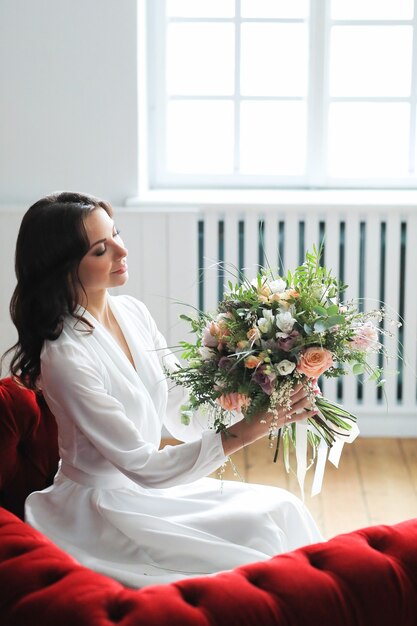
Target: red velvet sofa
(365,578)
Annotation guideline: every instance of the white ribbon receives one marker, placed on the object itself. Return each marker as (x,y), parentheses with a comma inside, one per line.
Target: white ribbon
(320,467)
(342,437)
(336,452)
(301,429)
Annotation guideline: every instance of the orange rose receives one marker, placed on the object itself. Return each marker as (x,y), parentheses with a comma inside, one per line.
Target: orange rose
(252,361)
(314,361)
(233,401)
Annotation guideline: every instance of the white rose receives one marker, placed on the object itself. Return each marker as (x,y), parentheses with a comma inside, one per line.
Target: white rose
(263,325)
(265,322)
(285,367)
(285,321)
(277,286)
(206,353)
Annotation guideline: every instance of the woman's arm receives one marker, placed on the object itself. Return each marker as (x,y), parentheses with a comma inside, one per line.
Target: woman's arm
(75,392)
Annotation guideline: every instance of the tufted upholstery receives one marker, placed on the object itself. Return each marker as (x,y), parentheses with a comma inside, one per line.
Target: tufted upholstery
(365,578)
(28,445)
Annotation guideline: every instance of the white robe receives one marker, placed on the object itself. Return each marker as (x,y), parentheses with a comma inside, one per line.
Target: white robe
(120,505)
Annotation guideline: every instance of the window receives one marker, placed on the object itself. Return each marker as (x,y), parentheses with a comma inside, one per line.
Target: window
(275,94)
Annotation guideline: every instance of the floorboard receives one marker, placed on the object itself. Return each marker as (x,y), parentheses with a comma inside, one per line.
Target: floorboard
(376,482)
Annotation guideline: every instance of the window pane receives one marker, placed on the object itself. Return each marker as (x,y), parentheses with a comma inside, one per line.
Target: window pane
(274,59)
(372,9)
(200,137)
(200,8)
(273,138)
(368,139)
(274,8)
(194,65)
(370,61)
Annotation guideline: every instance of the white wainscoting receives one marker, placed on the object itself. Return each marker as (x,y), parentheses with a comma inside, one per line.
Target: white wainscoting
(174,255)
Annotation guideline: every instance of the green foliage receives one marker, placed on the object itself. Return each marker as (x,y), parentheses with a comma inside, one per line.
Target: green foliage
(259,404)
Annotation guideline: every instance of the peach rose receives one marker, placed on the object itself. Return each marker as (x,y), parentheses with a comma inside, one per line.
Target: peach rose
(292,293)
(224,331)
(252,361)
(253,334)
(263,289)
(210,333)
(233,401)
(314,361)
(288,297)
(274,297)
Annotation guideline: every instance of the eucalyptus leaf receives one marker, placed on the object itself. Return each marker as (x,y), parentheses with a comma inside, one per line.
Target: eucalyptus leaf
(320,326)
(335,320)
(333,310)
(358,368)
(320,310)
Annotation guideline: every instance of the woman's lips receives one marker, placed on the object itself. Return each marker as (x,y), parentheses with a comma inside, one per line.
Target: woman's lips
(122,270)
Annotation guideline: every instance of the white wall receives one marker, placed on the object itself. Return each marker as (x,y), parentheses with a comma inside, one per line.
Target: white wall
(68,110)
(68,105)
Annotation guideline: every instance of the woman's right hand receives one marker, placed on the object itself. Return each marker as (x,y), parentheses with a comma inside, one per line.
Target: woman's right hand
(245,432)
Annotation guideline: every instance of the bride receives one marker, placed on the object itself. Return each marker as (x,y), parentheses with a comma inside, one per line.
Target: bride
(119,504)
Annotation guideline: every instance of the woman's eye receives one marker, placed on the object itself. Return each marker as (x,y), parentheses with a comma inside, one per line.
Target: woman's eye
(100,252)
(116,233)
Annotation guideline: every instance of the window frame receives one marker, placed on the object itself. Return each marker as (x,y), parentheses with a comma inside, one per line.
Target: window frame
(152,130)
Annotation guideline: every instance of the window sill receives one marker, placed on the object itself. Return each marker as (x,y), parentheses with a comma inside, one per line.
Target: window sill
(198,199)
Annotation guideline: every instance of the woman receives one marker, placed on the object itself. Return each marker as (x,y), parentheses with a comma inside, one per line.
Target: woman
(118,504)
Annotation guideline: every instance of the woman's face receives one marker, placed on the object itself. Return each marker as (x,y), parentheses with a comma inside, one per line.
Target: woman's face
(104,265)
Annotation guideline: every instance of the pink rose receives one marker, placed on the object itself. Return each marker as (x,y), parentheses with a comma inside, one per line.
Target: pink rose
(233,401)
(314,361)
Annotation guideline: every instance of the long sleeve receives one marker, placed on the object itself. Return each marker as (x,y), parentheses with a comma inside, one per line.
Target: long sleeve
(75,390)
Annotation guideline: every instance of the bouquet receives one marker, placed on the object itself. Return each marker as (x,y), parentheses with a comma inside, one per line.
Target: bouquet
(267,336)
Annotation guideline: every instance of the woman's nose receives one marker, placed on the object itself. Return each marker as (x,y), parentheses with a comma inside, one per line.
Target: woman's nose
(121,251)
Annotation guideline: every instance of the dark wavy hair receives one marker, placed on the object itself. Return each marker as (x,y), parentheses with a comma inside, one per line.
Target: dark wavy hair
(51,242)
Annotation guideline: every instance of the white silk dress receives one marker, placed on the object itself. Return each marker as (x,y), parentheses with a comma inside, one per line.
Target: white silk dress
(119,504)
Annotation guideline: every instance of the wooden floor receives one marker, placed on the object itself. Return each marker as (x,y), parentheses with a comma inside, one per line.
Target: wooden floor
(376,483)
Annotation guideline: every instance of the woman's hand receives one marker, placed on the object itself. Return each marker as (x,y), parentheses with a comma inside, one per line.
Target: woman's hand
(244,432)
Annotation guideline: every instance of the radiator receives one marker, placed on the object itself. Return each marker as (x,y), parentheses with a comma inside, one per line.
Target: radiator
(374,251)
